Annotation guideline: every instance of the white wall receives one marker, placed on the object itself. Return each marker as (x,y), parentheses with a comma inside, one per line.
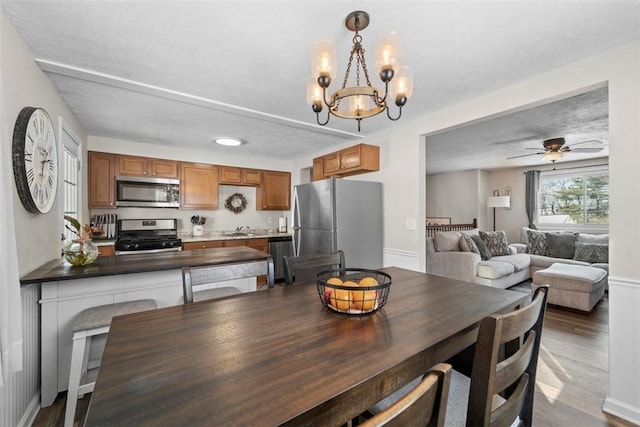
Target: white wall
(403,171)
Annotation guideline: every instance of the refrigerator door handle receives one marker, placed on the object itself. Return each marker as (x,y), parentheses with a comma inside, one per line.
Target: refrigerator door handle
(296,223)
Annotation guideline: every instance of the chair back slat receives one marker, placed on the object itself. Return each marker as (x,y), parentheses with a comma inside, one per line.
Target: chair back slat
(193,277)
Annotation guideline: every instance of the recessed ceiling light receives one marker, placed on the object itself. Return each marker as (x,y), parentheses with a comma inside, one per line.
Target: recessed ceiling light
(230,141)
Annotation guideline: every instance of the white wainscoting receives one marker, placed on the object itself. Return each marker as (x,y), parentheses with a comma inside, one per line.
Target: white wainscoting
(623,398)
(19,398)
(399,258)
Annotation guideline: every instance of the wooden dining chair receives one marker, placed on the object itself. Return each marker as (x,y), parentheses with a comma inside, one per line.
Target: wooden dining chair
(200,276)
(423,405)
(304,268)
(501,388)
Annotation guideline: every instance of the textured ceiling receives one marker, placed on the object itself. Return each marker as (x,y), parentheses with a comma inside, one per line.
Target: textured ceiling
(488,144)
(183,72)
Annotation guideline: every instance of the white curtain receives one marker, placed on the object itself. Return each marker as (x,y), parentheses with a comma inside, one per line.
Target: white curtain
(10,304)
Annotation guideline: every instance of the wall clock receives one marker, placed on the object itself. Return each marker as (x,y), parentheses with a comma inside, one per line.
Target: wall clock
(35,160)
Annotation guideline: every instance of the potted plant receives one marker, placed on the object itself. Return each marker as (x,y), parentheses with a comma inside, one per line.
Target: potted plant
(80,250)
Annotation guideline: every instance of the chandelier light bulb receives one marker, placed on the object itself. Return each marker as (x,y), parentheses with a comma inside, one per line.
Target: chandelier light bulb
(402,84)
(323,59)
(388,51)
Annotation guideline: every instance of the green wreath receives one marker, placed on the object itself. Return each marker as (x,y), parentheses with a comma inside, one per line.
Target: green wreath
(236,203)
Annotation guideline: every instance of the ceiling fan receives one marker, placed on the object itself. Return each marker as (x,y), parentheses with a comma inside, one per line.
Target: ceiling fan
(555,148)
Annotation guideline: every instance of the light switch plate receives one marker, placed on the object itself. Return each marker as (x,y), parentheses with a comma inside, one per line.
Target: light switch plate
(410,223)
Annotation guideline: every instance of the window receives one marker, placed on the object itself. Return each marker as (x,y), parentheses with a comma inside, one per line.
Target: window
(578,196)
(70,178)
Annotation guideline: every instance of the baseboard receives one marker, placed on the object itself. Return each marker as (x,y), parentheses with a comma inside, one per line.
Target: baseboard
(30,414)
(621,410)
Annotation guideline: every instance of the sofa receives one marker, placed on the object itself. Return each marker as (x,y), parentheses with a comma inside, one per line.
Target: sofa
(449,254)
(548,247)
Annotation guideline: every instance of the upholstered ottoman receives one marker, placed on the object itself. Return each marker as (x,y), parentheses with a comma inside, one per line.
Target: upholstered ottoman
(573,286)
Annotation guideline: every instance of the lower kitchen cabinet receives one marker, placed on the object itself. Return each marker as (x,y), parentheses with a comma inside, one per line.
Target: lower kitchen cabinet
(106,250)
(202,245)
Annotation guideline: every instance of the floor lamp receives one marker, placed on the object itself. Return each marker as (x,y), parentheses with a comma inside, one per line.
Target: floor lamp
(498,201)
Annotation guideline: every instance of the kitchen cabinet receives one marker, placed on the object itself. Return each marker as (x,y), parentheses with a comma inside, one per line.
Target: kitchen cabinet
(239,176)
(318,169)
(106,250)
(202,245)
(146,166)
(102,181)
(354,160)
(198,186)
(274,192)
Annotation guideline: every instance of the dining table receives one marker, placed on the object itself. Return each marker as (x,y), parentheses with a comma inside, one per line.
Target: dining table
(280,357)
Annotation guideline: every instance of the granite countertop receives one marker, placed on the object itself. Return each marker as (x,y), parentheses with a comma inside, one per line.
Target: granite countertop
(59,269)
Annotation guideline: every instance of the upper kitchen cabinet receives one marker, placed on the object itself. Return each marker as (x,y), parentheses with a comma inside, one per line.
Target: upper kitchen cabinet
(198,186)
(239,176)
(144,166)
(318,169)
(274,192)
(102,172)
(354,160)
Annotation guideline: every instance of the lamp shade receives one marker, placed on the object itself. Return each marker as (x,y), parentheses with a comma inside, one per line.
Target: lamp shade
(499,202)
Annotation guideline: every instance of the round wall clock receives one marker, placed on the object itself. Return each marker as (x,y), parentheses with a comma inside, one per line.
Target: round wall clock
(35,160)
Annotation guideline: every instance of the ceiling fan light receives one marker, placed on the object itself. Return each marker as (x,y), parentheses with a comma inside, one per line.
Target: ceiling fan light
(552,155)
(229,141)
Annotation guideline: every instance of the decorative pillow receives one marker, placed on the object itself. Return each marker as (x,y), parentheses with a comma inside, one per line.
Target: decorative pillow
(447,241)
(485,253)
(468,245)
(561,245)
(537,243)
(592,252)
(471,232)
(594,238)
(496,241)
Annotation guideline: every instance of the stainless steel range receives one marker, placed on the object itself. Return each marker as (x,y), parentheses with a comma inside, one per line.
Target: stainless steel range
(147,236)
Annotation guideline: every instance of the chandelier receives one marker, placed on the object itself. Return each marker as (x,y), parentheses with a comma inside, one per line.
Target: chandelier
(361,100)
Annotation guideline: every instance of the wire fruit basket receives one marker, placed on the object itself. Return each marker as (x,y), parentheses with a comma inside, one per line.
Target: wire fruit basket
(353,290)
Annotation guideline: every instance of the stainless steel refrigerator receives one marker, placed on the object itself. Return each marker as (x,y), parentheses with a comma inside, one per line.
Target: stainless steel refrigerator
(335,214)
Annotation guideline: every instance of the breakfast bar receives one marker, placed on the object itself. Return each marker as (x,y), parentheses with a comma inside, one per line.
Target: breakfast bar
(67,290)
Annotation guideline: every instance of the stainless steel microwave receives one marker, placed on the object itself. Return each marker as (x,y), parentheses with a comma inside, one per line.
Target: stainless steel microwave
(147,192)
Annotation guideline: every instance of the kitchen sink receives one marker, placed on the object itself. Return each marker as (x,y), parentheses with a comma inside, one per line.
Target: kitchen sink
(237,234)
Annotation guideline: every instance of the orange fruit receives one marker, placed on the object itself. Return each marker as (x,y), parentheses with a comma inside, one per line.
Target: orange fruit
(350,283)
(334,281)
(341,299)
(369,281)
(363,300)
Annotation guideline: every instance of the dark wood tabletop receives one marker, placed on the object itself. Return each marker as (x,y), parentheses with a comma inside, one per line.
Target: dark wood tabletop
(279,357)
(59,269)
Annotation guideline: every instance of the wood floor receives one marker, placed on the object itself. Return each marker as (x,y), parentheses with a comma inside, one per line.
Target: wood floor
(572,374)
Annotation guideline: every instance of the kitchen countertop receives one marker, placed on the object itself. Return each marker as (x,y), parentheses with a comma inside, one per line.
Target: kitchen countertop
(59,269)
(220,235)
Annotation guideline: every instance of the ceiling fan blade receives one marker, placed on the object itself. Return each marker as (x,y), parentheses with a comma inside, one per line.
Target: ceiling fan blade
(586,150)
(525,155)
(591,141)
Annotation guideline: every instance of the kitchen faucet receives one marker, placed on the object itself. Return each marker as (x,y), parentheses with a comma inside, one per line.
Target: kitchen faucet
(239,229)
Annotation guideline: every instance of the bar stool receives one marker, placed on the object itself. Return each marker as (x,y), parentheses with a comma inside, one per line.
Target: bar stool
(87,324)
